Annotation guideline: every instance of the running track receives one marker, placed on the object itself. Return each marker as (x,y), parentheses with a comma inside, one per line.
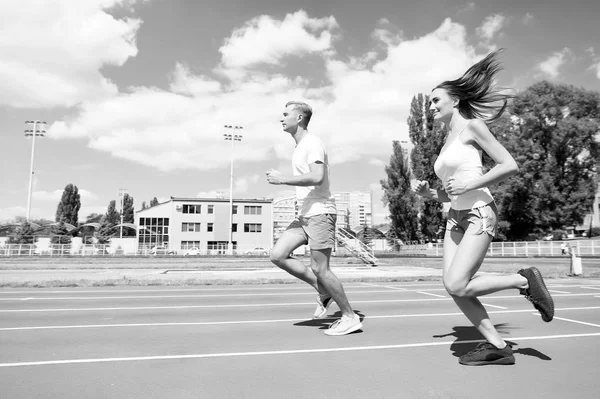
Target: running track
(258,342)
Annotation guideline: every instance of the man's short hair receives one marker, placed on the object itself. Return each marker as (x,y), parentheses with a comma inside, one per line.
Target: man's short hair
(302,108)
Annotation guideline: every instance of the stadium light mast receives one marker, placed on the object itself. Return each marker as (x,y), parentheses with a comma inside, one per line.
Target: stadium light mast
(232,137)
(33,133)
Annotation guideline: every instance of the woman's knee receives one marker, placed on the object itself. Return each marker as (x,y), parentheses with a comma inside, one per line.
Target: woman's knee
(455,287)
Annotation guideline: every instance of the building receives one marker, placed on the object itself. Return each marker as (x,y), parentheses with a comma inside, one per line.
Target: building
(183,223)
(353,209)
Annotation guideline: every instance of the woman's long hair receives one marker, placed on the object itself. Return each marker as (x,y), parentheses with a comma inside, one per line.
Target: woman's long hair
(478,97)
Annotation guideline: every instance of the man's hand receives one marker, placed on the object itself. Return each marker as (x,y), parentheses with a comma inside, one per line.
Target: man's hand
(274,177)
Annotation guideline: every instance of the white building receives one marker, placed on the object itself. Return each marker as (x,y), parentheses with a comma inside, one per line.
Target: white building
(183,223)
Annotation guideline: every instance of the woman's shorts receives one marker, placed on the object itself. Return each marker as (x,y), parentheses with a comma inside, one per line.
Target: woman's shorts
(483,219)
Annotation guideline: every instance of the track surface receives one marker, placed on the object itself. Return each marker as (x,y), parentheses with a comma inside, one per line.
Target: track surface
(258,342)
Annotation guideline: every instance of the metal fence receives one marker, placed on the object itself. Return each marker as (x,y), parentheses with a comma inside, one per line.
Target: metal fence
(517,248)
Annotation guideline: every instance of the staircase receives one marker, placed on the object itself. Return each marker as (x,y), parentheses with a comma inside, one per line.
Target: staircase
(356,247)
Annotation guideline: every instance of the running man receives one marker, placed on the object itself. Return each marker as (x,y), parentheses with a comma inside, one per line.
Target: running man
(315,224)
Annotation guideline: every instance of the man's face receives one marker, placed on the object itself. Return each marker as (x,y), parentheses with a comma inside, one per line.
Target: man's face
(289,120)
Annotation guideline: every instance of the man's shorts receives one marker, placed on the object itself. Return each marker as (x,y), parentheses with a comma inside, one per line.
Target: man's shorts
(317,230)
(483,219)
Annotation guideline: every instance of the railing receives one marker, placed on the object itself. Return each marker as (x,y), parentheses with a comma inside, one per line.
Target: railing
(516,248)
(356,247)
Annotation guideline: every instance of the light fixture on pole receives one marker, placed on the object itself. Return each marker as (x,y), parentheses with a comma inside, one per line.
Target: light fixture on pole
(122,192)
(33,133)
(232,137)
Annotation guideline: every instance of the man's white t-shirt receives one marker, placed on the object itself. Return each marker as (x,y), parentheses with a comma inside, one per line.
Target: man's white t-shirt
(313,200)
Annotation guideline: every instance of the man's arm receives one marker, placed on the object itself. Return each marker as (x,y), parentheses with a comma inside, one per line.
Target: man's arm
(314,177)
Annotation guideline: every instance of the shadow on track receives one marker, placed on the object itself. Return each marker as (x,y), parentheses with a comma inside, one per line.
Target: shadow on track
(470,333)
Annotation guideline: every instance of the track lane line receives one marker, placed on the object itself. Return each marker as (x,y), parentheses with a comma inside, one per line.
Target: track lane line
(278,352)
(233,322)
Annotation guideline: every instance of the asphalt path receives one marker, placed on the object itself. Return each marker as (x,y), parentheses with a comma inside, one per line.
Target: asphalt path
(259,342)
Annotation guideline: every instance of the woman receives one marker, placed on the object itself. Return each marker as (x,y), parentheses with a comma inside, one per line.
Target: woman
(464,105)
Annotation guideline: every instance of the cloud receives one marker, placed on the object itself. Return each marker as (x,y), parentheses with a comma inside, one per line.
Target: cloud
(550,67)
(56,195)
(361,103)
(596,61)
(242,184)
(56,60)
(528,18)
(267,41)
(490,27)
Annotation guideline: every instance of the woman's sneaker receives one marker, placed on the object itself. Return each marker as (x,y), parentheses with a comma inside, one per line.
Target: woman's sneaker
(486,353)
(323,303)
(537,293)
(344,325)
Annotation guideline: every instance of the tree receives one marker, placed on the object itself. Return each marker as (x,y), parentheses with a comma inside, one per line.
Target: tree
(398,197)
(69,205)
(128,215)
(110,219)
(551,134)
(428,140)
(154,202)
(144,206)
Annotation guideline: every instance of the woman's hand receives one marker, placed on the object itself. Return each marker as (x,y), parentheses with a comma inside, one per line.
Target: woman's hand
(421,187)
(455,187)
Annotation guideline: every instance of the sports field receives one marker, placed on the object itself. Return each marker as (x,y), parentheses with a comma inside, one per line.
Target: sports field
(257,341)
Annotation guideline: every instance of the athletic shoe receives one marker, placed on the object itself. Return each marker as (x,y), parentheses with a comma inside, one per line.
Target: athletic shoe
(344,325)
(537,293)
(486,353)
(323,303)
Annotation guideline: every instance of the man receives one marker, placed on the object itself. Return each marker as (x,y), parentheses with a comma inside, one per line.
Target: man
(315,224)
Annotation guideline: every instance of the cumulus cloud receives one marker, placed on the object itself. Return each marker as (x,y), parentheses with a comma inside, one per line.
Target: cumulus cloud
(491,26)
(550,67)
(596,61)
(56,195)
(361,104)
(52,52)
(528,18)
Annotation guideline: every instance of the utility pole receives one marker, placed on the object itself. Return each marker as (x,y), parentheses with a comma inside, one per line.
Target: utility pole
(232,137)
(122,195)
(33,133)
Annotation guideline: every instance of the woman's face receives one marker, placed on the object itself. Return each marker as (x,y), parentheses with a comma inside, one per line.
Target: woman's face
(441,104)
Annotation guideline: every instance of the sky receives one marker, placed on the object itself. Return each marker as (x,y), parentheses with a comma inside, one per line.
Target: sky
(136,93)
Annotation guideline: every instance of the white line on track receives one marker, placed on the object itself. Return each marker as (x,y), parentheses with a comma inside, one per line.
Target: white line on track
(577,321)
(590,288)
(429,293)
(494,306)
(279,352)
(85,298)
(391,287)
(233,322)
(255,304)
(558,292)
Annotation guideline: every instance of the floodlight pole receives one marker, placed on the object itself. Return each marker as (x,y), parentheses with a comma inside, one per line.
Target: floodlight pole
(233,137)
(33,133)
(122,195)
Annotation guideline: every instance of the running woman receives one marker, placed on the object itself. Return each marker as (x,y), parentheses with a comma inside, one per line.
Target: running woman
(465,105)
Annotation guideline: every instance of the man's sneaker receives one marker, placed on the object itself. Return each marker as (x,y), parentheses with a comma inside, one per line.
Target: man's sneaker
(486,353)
(537,293)
(323,303)
(344,325)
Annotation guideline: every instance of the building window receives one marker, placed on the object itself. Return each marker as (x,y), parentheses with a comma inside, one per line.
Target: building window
(234,228)
(252,210)
(252,228)
(234,210)
(191,208)
(155,231)
(209,227)
(190,244)
(190,227)
(211,208)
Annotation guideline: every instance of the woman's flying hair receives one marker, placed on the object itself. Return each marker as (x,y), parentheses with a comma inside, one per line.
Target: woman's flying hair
(478,96)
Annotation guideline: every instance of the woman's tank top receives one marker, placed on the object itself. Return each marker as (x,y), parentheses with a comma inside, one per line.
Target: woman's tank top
(463,162)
